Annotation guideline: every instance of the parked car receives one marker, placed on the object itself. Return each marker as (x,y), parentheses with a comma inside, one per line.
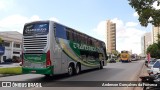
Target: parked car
(112,61)
(152,60)
(155,68)
(151,63)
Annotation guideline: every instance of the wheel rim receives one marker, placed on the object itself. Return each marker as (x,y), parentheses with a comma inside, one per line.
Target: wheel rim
(77,69)
(70,70)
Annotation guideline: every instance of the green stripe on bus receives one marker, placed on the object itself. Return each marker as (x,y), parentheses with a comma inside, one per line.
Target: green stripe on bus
(48,70)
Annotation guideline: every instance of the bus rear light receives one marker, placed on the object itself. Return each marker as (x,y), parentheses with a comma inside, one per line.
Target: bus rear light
(48,60)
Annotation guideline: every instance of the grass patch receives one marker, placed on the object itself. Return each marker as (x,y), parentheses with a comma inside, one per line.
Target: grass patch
(11,70)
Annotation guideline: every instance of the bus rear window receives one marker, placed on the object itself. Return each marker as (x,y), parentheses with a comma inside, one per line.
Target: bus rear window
(36,29)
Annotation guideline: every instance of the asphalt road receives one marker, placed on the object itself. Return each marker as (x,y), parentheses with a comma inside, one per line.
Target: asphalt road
(112,72)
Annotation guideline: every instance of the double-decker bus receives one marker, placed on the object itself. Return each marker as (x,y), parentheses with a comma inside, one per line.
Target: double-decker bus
(51,48)
(125,56)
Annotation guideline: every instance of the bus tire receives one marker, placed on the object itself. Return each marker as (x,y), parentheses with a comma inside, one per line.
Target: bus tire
(78,68)
(70,70)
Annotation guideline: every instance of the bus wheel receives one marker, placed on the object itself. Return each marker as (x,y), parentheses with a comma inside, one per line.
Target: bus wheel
(78,69)
(70,70)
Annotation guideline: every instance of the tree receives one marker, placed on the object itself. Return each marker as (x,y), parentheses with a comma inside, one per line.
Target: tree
(146,11)
(154,50)
(115,52)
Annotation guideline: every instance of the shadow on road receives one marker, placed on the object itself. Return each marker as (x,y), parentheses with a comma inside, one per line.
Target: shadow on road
(84,74)
(59,76)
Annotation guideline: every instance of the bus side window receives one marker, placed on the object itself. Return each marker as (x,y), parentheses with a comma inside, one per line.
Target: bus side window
(82,39)
(75,36)
(60,31)
(67,32)
(85,39)
(70,35)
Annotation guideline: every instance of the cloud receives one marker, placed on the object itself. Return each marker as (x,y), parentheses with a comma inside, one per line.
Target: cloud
(54,19)
(127,36)
(99,31)
(2,5)
(135,14)
(131,24)
(34,18)
(16,22)
(155,5)
(5,4)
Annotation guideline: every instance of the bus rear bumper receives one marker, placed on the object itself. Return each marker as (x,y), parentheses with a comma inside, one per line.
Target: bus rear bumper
(48,70)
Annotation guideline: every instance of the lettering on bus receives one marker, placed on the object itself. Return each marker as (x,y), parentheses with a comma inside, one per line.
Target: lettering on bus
(32,29)
(34,58)
(86,47)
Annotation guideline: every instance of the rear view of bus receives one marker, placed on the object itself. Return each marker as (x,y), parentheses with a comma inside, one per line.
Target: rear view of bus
(36,53)
(125,57)
(51,48)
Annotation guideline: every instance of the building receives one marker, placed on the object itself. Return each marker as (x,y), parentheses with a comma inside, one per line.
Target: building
(12,43)
(146,40)
(111,36)
(155,32)
(142,46)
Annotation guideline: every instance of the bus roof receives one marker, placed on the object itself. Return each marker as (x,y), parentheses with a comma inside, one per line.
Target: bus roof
(65,26)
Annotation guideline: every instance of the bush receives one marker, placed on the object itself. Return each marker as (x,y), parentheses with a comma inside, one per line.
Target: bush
(16,59)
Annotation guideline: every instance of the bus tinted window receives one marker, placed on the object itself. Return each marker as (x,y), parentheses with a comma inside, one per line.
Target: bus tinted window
(60,31)
(36,29)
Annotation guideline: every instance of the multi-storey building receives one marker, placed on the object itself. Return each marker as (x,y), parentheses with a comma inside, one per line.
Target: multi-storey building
(111,36)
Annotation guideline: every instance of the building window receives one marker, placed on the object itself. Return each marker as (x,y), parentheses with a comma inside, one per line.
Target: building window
(16,52)
(16,45)
(4,58)
(6,44)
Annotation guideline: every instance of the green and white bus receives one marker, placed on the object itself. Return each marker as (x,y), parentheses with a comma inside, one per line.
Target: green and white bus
(51,48)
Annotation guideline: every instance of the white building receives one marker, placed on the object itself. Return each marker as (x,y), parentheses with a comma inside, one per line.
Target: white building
(142,46)
(145,42)
(12,43)
(155,32)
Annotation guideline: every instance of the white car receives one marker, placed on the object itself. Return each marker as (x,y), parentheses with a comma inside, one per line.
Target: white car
(155,68)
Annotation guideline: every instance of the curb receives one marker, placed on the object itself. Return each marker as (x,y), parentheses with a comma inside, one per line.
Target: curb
(143,72)
(6,75)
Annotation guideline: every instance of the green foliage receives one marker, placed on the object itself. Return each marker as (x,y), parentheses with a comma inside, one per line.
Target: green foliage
(145,11)
(154,49)
(115,52)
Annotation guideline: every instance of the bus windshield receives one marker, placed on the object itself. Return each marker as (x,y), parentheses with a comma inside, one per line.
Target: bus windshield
(36,29)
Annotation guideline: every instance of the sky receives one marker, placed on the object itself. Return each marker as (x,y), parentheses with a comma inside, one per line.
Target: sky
(88,16)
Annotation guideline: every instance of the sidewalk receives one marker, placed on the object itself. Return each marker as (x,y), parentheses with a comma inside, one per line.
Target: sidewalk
(143,73)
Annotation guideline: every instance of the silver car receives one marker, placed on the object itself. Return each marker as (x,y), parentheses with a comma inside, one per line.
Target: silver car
(154,68)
